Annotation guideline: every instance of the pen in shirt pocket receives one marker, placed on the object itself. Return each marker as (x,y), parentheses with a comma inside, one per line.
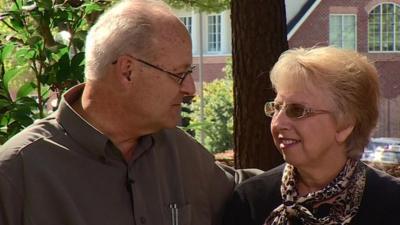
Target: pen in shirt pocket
(174,213)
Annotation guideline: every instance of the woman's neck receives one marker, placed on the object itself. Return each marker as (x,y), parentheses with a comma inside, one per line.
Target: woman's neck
(312,179)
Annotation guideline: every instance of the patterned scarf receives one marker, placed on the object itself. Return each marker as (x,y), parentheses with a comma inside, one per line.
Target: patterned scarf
(346,190)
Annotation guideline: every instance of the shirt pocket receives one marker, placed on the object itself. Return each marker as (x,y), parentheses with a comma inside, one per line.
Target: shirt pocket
(178,214)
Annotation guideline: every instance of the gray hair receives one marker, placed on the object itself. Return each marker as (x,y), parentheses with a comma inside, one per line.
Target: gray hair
(126,27)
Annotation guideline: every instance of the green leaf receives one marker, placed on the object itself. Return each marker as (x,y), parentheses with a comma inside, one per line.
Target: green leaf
(45,4)
(9,75)
(21,53)
(17,5)
(34,39)
(203,5)
(27,101)
(5,119)
(7,50)
(92,7)
(64,68)
(3,93)
(25,89)
(77,66)
(17,23)
(45,91)
(61,51)
(78,59)
(22,117)
(78,42)
(4,103)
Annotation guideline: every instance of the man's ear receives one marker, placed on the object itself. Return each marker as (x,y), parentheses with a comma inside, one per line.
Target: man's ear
(344,132)
(124,68)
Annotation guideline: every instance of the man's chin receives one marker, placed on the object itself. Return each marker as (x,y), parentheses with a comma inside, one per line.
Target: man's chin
(172,123)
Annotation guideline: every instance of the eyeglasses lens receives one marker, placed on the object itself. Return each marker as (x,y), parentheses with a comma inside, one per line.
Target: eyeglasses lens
(291,110)
(295,110)
(269,109)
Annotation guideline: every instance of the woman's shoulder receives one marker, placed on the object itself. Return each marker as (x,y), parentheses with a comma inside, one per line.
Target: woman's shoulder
(381,187)
(380,199)
(255,198)
(378,179)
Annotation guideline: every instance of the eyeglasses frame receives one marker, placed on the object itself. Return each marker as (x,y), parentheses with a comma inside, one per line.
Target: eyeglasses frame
(307,112)
(180,76)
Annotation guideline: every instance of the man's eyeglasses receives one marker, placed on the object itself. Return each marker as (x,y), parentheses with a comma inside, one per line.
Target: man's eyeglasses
(179,77)
(294,111)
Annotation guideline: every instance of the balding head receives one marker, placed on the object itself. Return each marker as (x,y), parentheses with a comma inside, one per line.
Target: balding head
(130,27)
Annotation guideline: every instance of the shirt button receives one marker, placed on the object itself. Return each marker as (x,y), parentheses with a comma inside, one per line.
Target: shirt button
(142,220)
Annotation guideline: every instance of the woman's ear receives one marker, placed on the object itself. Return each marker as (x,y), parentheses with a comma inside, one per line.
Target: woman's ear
(344,132)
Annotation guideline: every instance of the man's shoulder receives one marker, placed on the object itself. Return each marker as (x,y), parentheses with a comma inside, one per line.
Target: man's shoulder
(178,134)
(183,142)
(28,138)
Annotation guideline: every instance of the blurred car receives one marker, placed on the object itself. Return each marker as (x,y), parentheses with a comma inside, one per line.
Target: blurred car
(387,157)
(382,149)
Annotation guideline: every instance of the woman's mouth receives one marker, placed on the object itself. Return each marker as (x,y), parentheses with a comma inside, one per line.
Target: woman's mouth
(287,142)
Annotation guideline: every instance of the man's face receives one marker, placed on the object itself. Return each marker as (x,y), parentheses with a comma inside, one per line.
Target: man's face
(157,95)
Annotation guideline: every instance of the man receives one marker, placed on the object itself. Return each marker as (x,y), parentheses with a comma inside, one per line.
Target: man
(111,154)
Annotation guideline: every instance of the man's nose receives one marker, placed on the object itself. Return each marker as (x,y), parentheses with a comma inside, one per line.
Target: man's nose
(187,86)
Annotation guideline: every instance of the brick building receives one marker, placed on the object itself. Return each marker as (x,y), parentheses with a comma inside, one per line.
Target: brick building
(216,37)
(371,27)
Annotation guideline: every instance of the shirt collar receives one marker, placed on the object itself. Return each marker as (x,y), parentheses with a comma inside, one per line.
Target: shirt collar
(78,128)
(144,143)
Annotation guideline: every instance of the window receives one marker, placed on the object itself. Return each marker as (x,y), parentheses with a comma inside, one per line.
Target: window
(187,20)
(384,28)
(214,33)
(342,31)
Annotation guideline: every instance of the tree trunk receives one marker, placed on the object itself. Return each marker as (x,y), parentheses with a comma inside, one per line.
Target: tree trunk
(258,38)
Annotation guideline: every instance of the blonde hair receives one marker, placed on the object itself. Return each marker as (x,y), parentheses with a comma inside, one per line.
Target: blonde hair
(126,27)
(349,79)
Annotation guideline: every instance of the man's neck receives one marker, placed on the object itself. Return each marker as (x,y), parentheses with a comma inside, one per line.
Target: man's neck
(125,140)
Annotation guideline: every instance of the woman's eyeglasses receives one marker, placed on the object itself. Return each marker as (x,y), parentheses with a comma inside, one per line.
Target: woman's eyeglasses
(294,110)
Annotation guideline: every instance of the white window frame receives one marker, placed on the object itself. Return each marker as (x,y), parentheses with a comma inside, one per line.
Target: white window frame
(188,22)
(380,31)
(217,33)
(342,31)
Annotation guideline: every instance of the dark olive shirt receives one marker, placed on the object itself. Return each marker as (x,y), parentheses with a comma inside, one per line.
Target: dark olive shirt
(62,171)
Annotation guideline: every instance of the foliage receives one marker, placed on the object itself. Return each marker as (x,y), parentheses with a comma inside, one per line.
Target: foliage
(41,52)
(201,5)
(217,125)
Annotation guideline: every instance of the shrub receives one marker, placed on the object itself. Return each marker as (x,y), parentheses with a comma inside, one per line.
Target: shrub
(41,55)
(217,125)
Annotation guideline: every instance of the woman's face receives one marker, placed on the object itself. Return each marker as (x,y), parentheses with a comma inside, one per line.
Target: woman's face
(310,141)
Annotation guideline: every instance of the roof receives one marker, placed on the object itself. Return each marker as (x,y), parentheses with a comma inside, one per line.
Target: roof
(302,14)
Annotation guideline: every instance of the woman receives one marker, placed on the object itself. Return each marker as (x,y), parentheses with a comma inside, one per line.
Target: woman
(323,114)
